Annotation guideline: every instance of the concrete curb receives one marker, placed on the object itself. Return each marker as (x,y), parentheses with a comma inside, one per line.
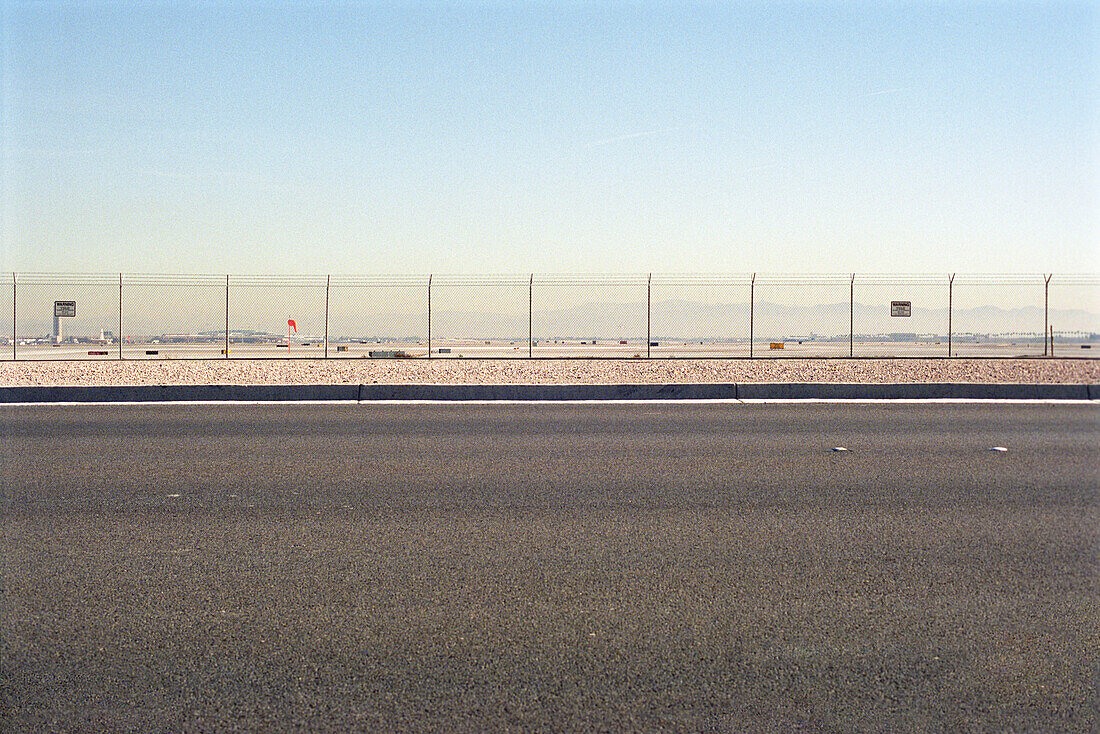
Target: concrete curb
(163,393)
(549,392)
(696,391)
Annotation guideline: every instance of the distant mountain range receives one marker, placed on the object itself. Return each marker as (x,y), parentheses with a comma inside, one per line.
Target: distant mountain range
(697,320)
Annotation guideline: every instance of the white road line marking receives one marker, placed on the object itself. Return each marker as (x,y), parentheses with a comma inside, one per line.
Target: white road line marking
(633,401)
(192,402)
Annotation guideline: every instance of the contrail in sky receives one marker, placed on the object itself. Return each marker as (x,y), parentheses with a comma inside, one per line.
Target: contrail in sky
(885,91)
(631,136)
(44,152)
(199,175)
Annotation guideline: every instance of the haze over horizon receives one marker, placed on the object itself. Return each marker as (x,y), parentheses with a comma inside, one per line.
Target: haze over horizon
(478,137)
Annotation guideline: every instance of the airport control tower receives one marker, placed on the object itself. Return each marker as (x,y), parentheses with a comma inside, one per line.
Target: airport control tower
(56,328)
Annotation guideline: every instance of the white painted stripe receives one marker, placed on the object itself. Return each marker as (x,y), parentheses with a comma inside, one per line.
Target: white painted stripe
(736,401)
(960,401)
(651,402)
(189,402)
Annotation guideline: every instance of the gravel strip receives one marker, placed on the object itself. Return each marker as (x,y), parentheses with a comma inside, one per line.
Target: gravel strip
(547,372)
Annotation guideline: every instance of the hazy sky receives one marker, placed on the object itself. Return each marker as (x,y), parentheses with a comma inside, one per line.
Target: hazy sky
(317,137)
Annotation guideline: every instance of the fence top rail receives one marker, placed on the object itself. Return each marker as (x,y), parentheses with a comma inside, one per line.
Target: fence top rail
(564,279)
(1020,279)
(634,279)
(1088,279)
(489,279)
(63,278)
(277,281)
(171,279)
(379,281)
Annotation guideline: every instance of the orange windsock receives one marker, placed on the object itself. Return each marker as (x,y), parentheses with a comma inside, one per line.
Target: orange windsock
(291,323)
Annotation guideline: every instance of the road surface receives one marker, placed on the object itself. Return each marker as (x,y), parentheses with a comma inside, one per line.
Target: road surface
(533,567)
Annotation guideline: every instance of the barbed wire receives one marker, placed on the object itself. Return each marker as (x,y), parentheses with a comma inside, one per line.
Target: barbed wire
(518,279)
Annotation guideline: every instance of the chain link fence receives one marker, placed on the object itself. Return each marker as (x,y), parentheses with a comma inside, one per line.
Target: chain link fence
(1016,323)
(589,315)
(876,332)
(801,316)
(376,314)
(183,316)
(476,316)
(52,314)
(1070,314)
(113,316)
(697,315)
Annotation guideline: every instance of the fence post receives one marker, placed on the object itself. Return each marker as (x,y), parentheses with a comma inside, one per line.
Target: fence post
(950,297)
(852,315)
(328,282)
(227,315)
(1046,315)
(120,315)
(530,315)
(648,314)
(752,305)
(13,314)
(429,316)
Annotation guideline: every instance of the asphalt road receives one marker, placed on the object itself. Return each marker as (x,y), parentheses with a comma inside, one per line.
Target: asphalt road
(561,567)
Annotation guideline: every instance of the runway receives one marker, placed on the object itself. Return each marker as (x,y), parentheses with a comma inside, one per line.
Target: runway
(411,567)
(517,349)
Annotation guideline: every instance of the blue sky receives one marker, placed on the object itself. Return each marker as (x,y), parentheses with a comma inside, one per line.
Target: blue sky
(208,137)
